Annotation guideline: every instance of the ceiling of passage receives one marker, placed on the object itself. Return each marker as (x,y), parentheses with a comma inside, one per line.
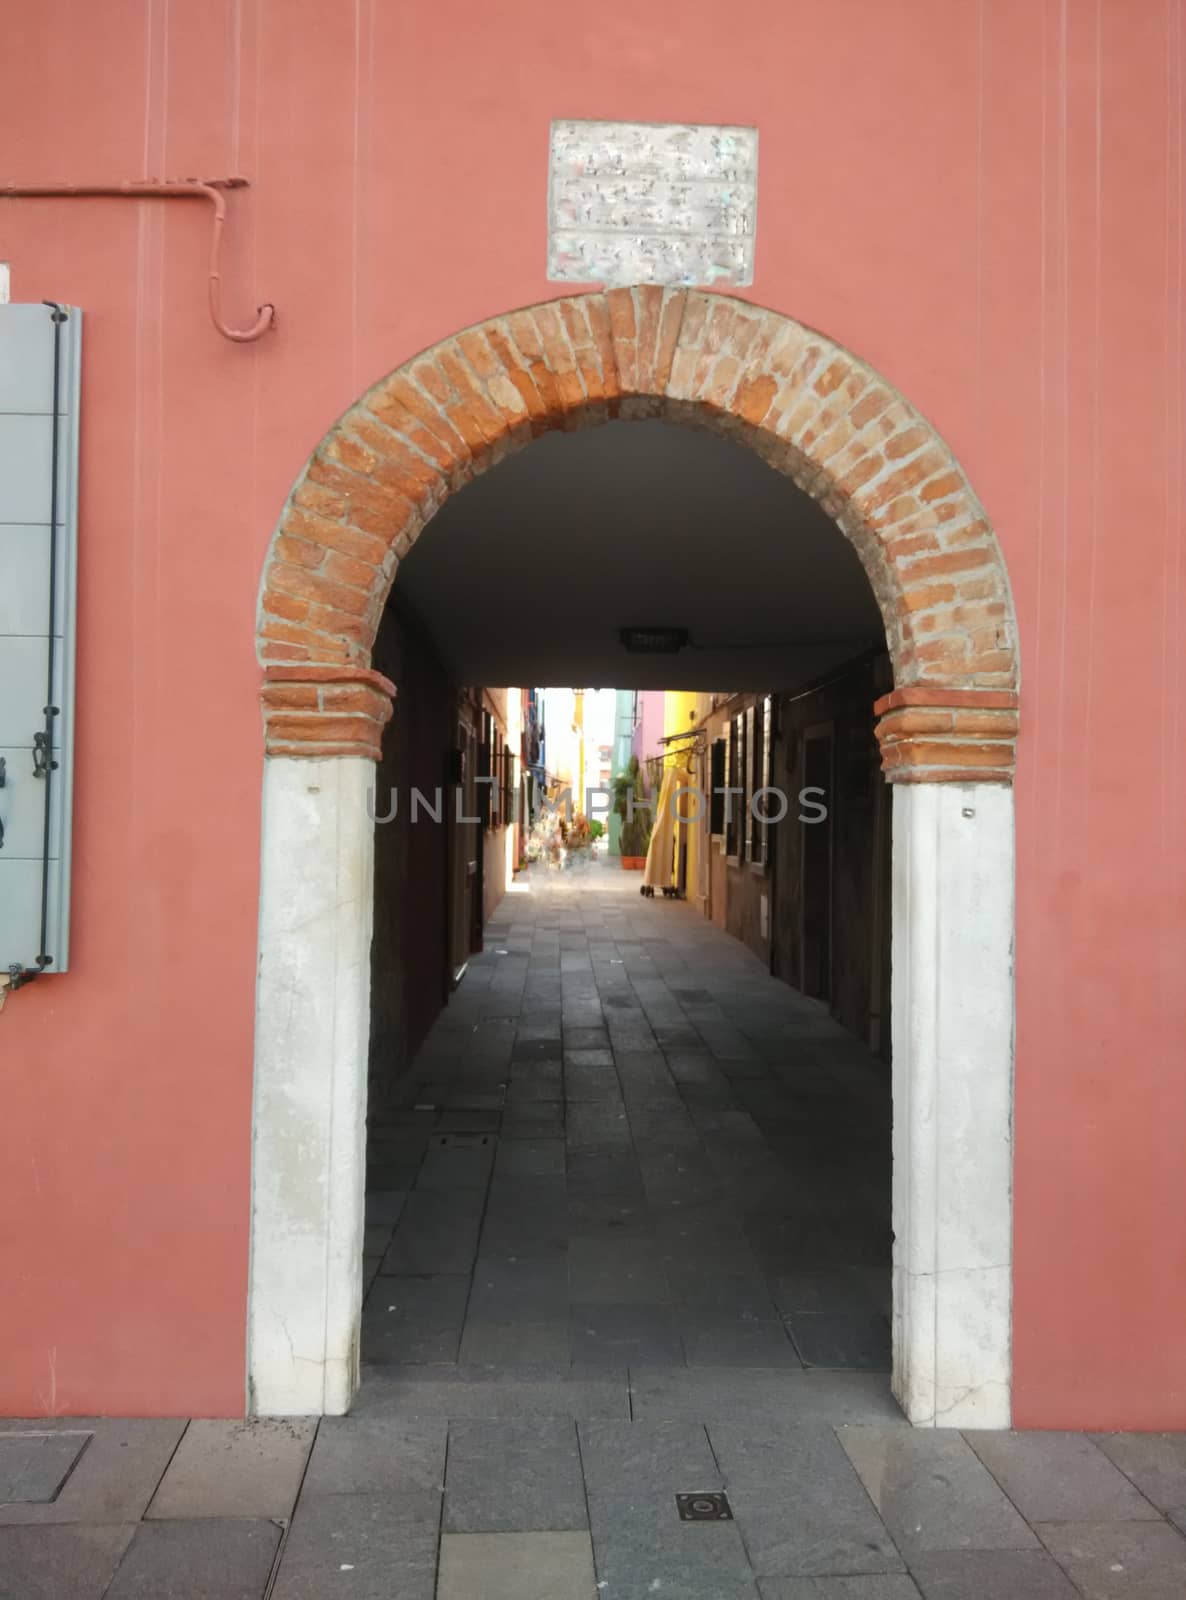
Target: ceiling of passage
(528,574)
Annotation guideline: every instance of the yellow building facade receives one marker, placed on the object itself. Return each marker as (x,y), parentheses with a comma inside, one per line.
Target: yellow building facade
(683,714)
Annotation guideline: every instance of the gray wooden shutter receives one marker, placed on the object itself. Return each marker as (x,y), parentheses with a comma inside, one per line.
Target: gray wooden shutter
(37,750)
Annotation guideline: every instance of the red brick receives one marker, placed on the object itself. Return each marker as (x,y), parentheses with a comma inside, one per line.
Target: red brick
(906,724)
(345,569)
(290,697)
(998,724)
(362,494)
(322,729)
(923,597)
(537,409)
(298,552)
(950,561)
(318,590)
(356,697)
(334,536)
(311,750)
(599,326)
(285,606)
(432,380)
(649,298)
(914,472)
(620,304)
(400,389)
(936,694)
(939,488)
(753,397)
(288,632)
(903,444)
(832,376)
(272,650)
(870,406)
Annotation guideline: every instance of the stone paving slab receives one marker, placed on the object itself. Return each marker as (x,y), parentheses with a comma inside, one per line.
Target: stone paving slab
(736,1394)
(437,1233)
(621,1335)
(116,1475)
(235,1469)
(1120,1560)
(530,1158)
(215,1559)
(385,1206)
(514,1477)
(857,1342)
(664,1457)
(1060,1477)
(516,1566)
(34,1466)
(536,1084)
(62,1563)
(840,1290)
(617,1271)
(456,1166)
(364,1455)
(633,1472)
(1154,1462)
(376,1236)
(932,1492)
(716,1338)
(991,1575)
(491,1341)
(882,1587)
(534,1288)
(801,1507)
(415,1319)
(719,1282)
(612,1215)
(493,1393)
(361,1546)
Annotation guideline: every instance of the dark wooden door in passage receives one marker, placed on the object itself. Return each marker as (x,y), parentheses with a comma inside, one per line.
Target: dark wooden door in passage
(816,900)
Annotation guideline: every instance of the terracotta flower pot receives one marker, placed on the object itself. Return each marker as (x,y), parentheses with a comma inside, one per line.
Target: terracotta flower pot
(633,863)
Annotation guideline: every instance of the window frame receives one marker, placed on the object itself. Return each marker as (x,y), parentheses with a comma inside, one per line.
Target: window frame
(718,770)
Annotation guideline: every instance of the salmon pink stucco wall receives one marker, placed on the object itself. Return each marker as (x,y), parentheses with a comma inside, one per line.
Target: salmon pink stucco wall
(984,200)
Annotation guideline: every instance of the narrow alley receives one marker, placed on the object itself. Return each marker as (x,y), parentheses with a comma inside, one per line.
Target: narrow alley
(625,1144)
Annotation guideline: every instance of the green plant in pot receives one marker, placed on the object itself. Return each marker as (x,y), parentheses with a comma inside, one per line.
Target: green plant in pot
(635,834)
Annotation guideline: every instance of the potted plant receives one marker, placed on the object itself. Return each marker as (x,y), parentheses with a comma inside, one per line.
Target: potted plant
(635,835)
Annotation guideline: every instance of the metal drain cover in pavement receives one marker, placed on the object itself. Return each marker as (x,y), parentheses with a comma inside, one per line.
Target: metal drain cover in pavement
(710,1507)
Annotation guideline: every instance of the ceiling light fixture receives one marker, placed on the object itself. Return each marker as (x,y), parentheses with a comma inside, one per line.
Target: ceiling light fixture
(653,641)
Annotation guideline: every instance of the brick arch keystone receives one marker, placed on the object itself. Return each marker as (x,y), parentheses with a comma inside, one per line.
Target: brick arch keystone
(807,406)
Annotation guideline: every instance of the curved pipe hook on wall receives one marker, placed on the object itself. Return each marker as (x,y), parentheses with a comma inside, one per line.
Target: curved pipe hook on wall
(165,189)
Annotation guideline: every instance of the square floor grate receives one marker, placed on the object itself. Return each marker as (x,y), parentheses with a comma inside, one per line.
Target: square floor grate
(711,1506)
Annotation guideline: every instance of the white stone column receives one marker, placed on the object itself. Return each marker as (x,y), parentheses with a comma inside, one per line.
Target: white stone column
(953,870)
(309,1113)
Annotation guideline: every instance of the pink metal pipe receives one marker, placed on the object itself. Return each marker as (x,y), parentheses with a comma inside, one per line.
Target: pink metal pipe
(166,189)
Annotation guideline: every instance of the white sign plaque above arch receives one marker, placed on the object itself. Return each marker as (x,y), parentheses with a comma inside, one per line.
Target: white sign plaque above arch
(646,202)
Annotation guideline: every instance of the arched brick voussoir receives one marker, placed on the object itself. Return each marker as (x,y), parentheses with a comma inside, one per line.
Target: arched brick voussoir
(811,409)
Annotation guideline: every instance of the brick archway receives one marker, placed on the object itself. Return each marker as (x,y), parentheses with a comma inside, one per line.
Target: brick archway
(808,407)
(947,732)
